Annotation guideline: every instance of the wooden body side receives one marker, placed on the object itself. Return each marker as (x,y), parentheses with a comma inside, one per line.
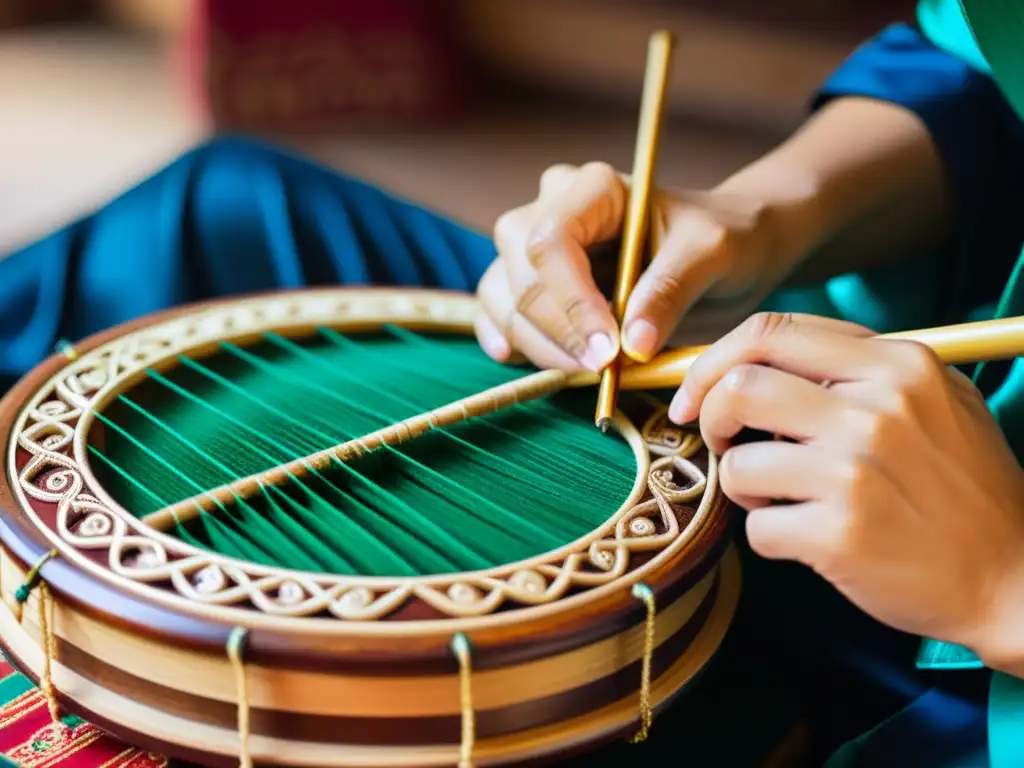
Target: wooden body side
(494,646)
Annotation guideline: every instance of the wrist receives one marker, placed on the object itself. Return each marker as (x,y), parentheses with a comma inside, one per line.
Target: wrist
(1000,634)
(791,197)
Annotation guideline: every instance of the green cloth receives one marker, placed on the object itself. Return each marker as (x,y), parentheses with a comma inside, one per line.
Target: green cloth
(943,22)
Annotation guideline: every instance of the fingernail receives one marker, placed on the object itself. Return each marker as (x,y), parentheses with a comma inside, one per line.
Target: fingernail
(493,342)
(600,352)
(641,340)
(679,409)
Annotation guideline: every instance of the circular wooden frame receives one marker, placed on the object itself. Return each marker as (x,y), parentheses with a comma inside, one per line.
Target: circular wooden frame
(555,638)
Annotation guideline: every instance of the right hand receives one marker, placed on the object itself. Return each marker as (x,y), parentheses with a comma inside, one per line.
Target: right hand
(541,295)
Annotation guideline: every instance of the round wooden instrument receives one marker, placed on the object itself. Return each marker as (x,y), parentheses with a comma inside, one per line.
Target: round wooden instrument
(504,590)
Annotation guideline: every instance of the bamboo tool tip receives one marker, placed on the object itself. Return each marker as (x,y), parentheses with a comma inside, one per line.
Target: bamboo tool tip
(662,37)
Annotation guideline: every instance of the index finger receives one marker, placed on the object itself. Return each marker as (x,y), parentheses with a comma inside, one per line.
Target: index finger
(817,348)
(588,213)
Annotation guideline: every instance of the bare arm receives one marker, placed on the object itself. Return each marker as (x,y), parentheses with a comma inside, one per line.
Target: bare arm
(860,185)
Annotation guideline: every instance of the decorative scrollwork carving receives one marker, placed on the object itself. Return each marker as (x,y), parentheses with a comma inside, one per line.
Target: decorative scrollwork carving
(87,521)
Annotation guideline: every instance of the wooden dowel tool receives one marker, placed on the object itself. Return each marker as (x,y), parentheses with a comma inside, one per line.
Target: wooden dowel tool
(659,57)
(955,345)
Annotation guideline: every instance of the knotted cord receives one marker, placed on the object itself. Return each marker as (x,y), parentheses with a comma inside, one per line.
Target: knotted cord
(67,349)
(463,653)
(644,593)
(235,648)
(48,637)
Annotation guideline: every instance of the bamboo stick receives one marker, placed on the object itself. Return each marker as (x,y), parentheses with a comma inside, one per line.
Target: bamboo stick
(954,344)
(659,57)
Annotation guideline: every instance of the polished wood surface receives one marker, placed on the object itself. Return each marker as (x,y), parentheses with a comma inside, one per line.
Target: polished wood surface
(160,677)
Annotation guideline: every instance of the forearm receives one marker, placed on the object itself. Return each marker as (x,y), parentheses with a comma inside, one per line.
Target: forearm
(860,185)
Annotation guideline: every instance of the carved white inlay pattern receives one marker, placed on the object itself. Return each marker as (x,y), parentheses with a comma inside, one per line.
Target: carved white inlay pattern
(52,427)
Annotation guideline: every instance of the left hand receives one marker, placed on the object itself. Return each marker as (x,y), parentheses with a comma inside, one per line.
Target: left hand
(899,488)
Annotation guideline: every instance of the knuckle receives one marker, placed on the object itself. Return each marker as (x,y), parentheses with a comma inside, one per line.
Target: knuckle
(544,241)
(901,406)
(717,237)
(526,299)
(487,288)
(571,342)
(508,225)
(602,173)
(665,289)
(576,308)
(730,471)
(875,430)
(838,535)
(741,378)
(836,538)
(854,474)
(763,325)
(918,363)
(555,174)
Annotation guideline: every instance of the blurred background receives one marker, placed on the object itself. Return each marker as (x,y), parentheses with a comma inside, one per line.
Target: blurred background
(458,104)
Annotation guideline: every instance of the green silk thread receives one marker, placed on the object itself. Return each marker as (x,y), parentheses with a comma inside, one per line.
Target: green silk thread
(492,490)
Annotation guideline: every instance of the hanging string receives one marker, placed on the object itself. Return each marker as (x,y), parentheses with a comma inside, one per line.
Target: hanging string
(463,652)
(643,593)
(48,638)
(31,580)
(235,647)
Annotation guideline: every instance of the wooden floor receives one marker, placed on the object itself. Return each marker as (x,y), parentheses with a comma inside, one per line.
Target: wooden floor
(86,113)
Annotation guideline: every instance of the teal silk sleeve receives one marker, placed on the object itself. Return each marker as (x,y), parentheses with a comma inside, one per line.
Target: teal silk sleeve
(1006,722)
(943,22)
(997,26)
(998,29)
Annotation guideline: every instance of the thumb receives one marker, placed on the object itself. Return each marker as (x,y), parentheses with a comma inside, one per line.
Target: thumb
(686,264)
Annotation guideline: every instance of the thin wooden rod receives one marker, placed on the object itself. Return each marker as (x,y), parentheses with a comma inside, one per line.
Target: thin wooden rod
(961,344)
(954,344)
(652,106)
(498,398)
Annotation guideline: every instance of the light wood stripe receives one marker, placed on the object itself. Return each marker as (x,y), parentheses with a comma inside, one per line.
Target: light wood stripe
(310,692)
(506,750)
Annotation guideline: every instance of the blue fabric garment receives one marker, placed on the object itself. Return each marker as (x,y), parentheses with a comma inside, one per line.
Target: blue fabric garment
(231,217)
(235,216)
(981,142)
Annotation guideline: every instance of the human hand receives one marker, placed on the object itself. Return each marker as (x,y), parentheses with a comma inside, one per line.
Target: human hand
(541,296)
(899,488)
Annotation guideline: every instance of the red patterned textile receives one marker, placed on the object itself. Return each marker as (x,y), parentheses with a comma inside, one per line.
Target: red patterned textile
(311,65)
(30,738)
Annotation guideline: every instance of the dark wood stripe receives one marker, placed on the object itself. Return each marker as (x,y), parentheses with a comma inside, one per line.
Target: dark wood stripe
(381,730)
(494,647)
(401,656)
(148,742)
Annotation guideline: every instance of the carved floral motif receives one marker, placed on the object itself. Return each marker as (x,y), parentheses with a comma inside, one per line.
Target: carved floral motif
(87,520)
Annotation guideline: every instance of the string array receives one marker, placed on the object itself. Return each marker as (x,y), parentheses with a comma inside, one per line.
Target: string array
(485,492)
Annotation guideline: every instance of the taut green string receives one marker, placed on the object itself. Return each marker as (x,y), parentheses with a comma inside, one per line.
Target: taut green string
(485,492)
